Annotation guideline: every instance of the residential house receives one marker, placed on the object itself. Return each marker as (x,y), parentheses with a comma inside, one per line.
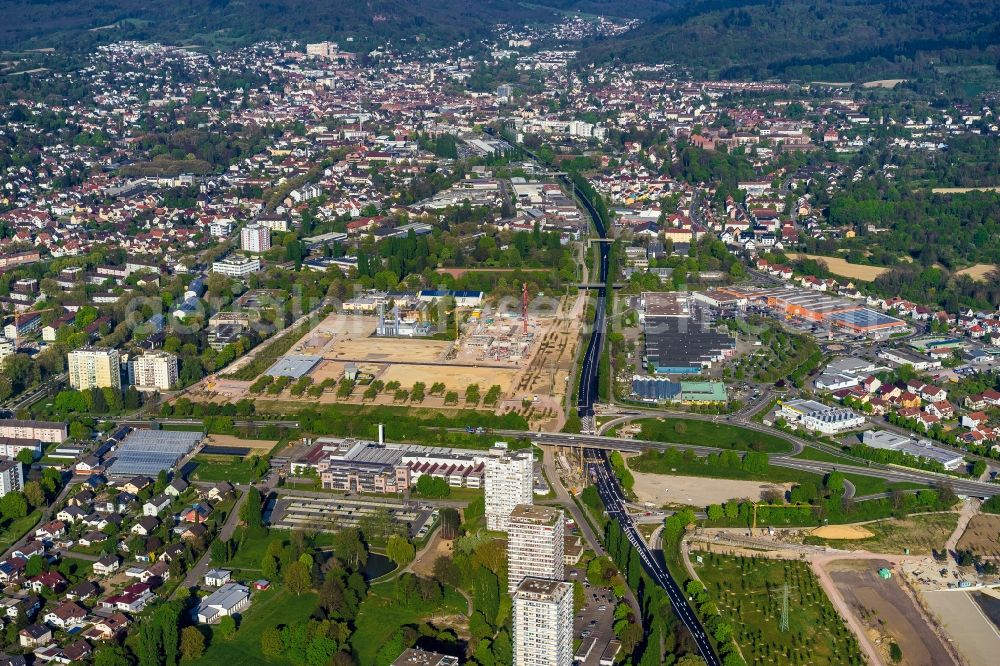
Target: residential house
(145,526)
(107,565)
(156,505)
(34,635)
(217,577)
(66,615)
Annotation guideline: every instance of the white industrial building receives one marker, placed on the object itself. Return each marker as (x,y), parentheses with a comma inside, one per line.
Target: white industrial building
(229,599)
(815,416)
(509,481)
(543,623)
(236,266)
(921,448)
(535,544)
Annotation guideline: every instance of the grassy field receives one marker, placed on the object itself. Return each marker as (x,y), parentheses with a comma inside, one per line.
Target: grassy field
(380,615)
(919,534)
(270,608)
(749,592)
(706,433)
(870,485)
(653,462)
(222,468)
(15,529)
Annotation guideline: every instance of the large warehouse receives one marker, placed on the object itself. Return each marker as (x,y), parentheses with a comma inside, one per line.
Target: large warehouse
(146,452)
(677,340)
(834,311)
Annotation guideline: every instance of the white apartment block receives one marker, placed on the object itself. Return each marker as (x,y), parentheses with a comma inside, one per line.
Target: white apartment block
(93,367)
(236,266)
(153,371)
(535,544)
(6,348)
(543,623)
(11,477)
(43,431)
(509,482)
(255,238)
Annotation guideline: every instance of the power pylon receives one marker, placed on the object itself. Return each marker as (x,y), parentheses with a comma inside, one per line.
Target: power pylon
(783,622)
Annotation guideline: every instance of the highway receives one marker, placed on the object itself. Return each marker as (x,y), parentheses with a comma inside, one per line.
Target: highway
(611,494)
(592,357)
(892,473)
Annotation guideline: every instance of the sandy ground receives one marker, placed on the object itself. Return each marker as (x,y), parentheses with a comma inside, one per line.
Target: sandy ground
(455,378)
(251,445)
(979,272)
(438,547)
(976,637)
(882,83)
(842,532)
(839,266)
(660,489)
(387,349)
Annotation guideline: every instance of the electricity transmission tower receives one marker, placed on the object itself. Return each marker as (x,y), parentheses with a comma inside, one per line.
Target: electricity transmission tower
(783,622)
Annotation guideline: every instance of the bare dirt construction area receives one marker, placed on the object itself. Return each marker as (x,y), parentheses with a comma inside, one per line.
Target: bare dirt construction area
(975,635)
(979,272)
(842,532)
(840,266)
(663,489)
(888,612)
(982,536)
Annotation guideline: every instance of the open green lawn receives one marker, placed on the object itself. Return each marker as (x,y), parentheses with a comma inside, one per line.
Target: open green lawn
(15,529)
(749,593)
(870,485)
(707,433)
(269,608)
(380,615)
(222,468)
(656,463)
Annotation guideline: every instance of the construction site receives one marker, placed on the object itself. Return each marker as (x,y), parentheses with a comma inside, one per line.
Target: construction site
(395,347)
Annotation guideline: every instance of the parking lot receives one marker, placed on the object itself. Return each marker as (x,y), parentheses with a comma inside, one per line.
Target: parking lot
(595,621)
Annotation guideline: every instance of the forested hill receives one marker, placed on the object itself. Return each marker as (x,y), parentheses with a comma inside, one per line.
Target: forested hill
(812,39)
(37,23)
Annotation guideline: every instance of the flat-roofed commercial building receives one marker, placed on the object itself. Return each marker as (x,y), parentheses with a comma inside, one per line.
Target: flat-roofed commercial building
(922,448)
(535,543)
(543,623)
(815,416)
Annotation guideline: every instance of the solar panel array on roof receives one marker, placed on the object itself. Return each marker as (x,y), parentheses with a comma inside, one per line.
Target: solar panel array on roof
(146,452)
(649,388)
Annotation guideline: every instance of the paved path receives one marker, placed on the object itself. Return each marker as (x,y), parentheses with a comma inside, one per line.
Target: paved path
(198,571)
(562,496)
(969,509)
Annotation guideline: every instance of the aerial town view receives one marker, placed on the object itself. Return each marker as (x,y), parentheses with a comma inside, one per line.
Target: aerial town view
(549,333)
